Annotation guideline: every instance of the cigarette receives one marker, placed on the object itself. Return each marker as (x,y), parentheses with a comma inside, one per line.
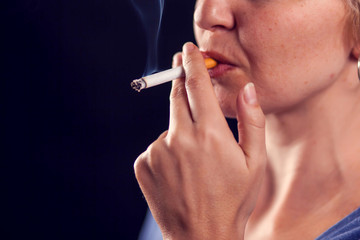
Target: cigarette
(165,76)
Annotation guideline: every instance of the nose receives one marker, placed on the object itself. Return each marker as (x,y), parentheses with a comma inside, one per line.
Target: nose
(213,14)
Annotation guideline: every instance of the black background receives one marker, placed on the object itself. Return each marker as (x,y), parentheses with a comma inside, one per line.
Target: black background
(72,126)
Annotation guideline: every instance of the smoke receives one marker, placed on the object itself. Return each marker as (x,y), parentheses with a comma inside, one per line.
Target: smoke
(150,12)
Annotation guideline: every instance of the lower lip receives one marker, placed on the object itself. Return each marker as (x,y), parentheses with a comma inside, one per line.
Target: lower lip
(219,70)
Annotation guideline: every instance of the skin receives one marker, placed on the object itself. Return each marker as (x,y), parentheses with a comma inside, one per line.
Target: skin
(299,180)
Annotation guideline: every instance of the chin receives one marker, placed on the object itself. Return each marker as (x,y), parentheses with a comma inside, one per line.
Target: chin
(227,101)
(228,113)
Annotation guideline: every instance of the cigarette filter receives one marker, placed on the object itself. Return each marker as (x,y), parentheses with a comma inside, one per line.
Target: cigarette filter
(165,76)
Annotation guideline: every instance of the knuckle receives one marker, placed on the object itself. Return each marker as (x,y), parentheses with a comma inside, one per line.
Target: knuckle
(149,161)
(163,135)
(182,149)
(187,61)
(207,136)
(177,91)
(178,141)
(153,159)
(257,121)
(192,82)
(173,141)
(140,166)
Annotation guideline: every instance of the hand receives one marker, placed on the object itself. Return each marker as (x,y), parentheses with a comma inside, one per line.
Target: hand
(198,181)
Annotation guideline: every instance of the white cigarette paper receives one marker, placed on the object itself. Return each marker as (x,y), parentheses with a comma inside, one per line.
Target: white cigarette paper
(165,76)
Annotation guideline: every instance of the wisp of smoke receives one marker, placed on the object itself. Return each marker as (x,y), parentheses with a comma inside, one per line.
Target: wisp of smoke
(150,12)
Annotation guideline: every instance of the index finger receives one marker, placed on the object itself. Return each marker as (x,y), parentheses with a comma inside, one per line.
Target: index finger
(201,95)
(180,114)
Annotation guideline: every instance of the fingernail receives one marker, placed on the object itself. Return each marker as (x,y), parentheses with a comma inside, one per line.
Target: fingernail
(250,94)
(188,47)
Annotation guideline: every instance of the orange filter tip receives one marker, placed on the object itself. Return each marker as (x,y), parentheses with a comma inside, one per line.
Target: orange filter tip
(210,63)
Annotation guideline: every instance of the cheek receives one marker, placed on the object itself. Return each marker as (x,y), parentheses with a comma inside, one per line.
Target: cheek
(199,34)
(294,55)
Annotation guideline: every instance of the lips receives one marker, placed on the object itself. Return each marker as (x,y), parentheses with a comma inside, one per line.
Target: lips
(222,67)
(219,70)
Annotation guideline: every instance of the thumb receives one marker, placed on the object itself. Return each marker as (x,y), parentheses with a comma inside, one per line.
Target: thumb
(251,126)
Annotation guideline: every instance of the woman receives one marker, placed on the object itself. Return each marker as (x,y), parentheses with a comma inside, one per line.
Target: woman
(293,65)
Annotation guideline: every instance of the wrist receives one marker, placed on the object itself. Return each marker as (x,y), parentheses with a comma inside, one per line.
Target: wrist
(212,231)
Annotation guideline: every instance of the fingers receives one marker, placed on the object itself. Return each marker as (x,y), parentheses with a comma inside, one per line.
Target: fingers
(200,92)
(177,59)
(179,108)
(144,164)
(251,126)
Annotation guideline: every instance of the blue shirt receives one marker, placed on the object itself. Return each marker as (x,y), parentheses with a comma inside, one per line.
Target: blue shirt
(347,229)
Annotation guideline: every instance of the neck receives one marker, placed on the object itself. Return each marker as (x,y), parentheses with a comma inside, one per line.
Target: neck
(322,132)
(313,156)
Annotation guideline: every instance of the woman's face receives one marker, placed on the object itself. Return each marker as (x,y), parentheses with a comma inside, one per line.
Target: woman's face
(290,49)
